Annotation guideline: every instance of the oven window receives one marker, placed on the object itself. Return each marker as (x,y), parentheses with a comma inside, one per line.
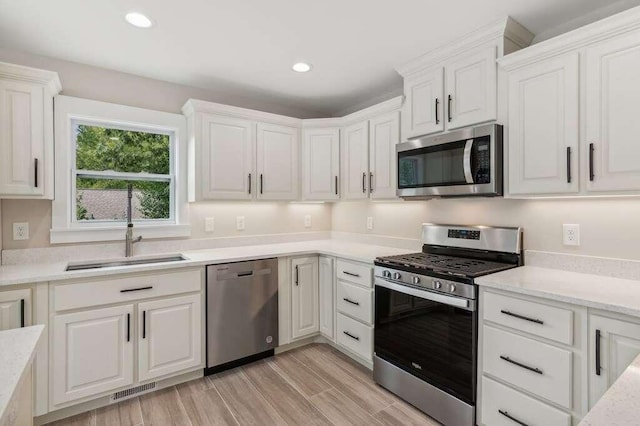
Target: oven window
(438,165)
(430,340)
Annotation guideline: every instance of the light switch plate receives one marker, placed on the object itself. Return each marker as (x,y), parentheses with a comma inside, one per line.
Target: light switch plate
(571,234)
(369,223)
(21,231)
(307,221)
(209,224)
(240,223)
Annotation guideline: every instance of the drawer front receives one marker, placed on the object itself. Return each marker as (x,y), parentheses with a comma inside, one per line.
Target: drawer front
(531,365)
(357,273)
(355,336)
(355,301)
(130,288)
(531,317)
(503,406)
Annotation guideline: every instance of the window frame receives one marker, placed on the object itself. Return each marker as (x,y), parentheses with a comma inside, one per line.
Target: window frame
(69,112)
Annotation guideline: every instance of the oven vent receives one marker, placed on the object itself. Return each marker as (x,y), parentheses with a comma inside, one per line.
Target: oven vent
(128,393)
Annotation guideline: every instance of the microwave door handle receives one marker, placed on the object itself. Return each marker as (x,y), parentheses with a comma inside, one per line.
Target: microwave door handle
(468,176)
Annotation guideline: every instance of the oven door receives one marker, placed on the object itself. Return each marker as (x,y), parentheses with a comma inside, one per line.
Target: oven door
(430,335)
(466,162)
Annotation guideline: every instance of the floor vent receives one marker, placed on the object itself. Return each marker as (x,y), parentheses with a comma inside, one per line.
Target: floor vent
(128,393)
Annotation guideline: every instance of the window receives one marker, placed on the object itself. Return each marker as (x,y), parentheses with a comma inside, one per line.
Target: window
(103,149)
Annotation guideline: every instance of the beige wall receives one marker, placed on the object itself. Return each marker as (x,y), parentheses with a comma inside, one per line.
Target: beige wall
(608,227)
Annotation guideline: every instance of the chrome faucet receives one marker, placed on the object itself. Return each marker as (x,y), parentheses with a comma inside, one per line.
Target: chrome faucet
(129,240)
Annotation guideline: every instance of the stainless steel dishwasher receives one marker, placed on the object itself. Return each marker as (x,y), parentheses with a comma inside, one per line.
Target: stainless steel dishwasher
(242,313)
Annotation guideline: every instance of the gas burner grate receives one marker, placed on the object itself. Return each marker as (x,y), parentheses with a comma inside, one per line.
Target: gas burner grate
(445,264)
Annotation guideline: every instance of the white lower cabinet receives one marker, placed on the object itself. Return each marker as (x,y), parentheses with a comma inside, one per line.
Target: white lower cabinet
(170,333)
(92,352)
(355,336)
(15,309)
(326,276)
(305,319)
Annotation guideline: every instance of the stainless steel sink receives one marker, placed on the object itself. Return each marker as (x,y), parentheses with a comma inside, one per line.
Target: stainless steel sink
(125,262)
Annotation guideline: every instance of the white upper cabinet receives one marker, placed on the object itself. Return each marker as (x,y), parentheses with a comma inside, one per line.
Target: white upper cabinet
(423,110)
(384,134)
(227,152)
(543,127)
(321,164)
(355,161)
(26,131)
(277,162)
(612,90)
(471,89)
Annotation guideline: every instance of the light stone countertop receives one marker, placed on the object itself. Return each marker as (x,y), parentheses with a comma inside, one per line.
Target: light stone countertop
(17,348)
(620,405)
(42,273)
(594,291)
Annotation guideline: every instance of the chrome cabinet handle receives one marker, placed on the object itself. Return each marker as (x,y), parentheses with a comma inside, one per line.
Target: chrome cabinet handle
(144,324)
(598,367)
(128,327)
(21,313)
(449,99)
(296,275)
(364,178)
(351,273)
(351,301)
(336,185)
(35,163)
(249,183)
(591,173)
(521,365)
(370,182)
(437,119)
(522,317)
(351,335)
(568,164)
(513,419)
(127,290)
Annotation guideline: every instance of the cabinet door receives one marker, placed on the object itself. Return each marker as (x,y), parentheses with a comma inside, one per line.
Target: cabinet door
(22,138)
(170,336)
(15,309)
(92,352)
(422,111)
(355,167)
(543,127)
(327,300)
(611,112)
(383,137)
(227,158)
(618,343)
(304,297)
(471,89)
(277,162)
(321,153)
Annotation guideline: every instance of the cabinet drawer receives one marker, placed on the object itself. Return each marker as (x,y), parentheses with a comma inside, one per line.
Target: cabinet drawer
(116,290)
(531,317)
(355,301)
(355,336)
(357,273)
(499,402)
(531,365)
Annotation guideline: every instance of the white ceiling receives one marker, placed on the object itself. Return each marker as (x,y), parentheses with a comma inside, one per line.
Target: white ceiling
(250,45)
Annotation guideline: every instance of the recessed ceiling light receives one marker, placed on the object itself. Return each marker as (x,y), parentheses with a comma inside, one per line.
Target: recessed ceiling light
(138,20)
(301,67)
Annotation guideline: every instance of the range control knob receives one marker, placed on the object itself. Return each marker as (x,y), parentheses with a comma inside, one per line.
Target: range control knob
(396,275)
(416,280)
(437,285)
(386,274)
(452,288)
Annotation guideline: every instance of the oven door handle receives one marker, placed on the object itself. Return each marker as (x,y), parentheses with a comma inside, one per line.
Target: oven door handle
(468,176)
(458,302)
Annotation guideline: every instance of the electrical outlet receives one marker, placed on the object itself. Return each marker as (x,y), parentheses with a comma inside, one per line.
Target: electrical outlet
(240,223)
(209,224)
(307,221)
(369,223)
(571,235)
(20,231)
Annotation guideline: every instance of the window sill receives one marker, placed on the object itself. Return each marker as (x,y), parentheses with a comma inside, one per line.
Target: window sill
(117,233)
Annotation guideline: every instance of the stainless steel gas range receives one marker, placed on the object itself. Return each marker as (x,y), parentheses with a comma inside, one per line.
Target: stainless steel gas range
(425,335)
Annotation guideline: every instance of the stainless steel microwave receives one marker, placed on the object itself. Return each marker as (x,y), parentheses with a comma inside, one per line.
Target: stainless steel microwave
(463,163)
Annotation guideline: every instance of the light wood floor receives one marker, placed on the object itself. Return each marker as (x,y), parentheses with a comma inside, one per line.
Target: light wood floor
(312,385)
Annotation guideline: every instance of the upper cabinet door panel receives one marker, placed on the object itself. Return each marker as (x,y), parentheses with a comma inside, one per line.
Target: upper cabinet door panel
(543,127)
(355,167)
(423,107)
(321,176)
(384,135)
(612,111)
(22,138)
(277,162)
(472,89)
(227,158)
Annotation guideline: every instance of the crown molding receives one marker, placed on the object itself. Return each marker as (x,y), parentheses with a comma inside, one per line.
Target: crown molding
(193,106)
(391,105)
(496,32)
(49,79)
(574,40)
